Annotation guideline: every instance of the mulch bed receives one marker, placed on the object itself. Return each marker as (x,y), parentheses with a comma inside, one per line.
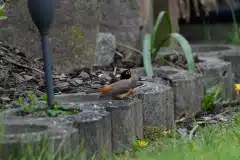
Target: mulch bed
(19,74)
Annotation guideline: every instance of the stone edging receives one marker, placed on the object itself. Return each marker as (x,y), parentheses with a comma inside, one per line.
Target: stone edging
(109,125)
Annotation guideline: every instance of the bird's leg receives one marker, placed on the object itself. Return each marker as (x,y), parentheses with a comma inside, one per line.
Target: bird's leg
(124,95)
(130,92)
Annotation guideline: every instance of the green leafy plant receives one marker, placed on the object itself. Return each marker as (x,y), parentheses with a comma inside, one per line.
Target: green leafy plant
(39,107)
(161,33)
(160,37)
(146,54)
(211,97)
(2,14)
(3,106)
(207,32)
(233,37)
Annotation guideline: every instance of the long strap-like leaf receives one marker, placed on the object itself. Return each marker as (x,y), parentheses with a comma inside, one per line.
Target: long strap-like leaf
(147,61)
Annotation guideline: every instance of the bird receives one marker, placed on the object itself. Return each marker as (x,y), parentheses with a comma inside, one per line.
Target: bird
(118,90)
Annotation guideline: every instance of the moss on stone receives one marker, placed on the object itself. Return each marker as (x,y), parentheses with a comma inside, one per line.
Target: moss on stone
(153,132)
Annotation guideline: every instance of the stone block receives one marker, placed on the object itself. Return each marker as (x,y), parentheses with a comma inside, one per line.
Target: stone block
(127,123)
(218,63)
(205,50)
(213,50)
(188,88)
(19,134)
(122,19)
(216,71)
(146,12)
(229,53)
(94,127)
(234,59)
(158,104)
(72,37)
(126,116)
(171,7)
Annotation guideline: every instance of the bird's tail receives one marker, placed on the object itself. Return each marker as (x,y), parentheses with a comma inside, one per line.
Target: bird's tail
(103,90)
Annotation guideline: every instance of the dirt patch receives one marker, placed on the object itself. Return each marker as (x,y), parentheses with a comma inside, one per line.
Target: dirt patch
(176,61)
(20,74)
(121,60)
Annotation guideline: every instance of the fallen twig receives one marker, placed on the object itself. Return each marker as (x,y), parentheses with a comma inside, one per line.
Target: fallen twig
(118,53)
(6,76)
(24,66)
(4,49)
(115,71)
(129,47)
(193,131)
(180,120)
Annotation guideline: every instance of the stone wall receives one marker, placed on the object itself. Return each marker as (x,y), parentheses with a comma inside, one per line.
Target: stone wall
(70,49)
(146,15)
(147,20)
(122,18)
(171,6)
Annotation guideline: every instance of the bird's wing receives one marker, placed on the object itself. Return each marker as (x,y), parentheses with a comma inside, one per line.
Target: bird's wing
(120,87)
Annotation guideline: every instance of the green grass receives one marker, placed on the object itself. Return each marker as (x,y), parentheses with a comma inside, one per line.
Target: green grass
(219,142)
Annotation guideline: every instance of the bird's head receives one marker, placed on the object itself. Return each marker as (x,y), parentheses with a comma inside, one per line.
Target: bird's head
(126,74)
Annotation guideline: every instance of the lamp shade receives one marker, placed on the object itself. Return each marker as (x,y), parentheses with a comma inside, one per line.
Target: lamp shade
(42,13)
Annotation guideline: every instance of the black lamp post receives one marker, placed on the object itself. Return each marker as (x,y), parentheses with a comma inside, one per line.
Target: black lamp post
(43,13)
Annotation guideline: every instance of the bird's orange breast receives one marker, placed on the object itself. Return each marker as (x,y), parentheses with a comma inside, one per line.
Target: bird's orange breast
(105,90)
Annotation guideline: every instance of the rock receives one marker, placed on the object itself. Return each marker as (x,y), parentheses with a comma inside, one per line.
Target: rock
(182,132)
(222,118)
(61,77)
(88,82)
(78,81)
(5,99)
(12,90)
(19,78)
(63,85)
(27,77)
(95,86)
(105,49)
(2,90)
(104,77)
(84,75)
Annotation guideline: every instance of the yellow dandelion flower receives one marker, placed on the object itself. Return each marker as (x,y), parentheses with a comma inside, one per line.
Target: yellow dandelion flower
(237,87)
(142,143)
